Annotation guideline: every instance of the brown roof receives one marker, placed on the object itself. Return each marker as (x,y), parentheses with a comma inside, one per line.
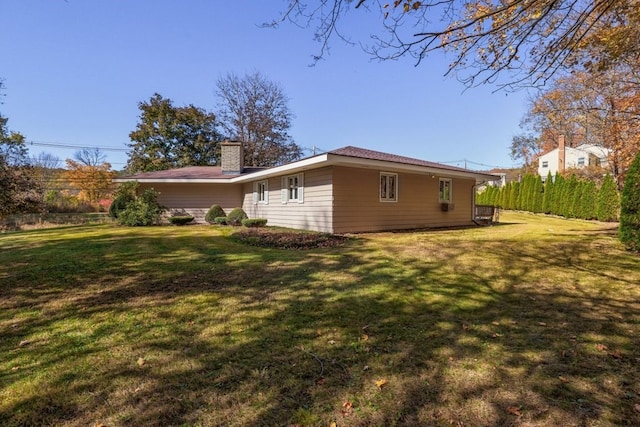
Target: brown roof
(362,153)
(215,172)
(191,172)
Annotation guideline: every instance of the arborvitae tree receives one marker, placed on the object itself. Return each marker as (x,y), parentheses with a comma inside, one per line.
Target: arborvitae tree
(519,194)
(558,194)
(547,198)
(526,193)
(567,196)
(538,194)
(588,200)
(575,210)
(481,196)
(608,200)
(514,191)
(503,198)
(495,191)
(630,209)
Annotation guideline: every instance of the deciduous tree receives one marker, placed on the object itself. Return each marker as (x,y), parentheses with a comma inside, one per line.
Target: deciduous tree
(600,108)
(170,137)
(255,110)
(94,183)
(528,39)
(18,190)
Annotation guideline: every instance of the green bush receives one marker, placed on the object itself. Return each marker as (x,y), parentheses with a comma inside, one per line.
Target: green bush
(214,212)
(144,210)
(220,220)
(630,209)
(236,216)
(125,194)
(180,219)
(254,222)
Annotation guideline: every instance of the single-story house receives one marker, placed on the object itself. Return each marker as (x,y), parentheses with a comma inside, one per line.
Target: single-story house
(342,191)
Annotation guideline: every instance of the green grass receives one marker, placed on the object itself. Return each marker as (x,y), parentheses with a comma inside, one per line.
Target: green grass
(533,322)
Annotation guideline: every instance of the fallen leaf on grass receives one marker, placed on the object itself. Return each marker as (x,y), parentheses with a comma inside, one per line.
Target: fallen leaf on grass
(381,383)
(332,342)
(141,361)
(514,410)
(601,347)
(24,342)
(333,424)
(637,407)
(563,379)
(347,408)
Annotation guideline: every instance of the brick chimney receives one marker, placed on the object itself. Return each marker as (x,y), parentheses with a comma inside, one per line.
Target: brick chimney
(232,157)
(561,154)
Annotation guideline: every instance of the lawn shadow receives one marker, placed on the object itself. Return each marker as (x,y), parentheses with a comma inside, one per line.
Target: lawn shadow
(221,334)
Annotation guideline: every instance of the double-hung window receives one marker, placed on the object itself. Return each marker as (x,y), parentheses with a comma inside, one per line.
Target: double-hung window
(293,188)
(445,190)
(388,187)
(545,164)
(261,193)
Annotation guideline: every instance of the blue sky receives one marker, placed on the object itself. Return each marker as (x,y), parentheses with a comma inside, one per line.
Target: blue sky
(76,70)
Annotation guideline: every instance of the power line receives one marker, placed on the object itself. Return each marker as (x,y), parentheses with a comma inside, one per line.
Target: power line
(465,161)
(74,146)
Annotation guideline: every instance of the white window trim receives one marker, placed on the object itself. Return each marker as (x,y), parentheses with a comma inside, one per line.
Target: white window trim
(388,199)
(284,192)
(440,181)
(256,192)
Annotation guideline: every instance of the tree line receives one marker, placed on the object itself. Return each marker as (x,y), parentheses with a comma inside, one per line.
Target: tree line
(251,109)
(570,197)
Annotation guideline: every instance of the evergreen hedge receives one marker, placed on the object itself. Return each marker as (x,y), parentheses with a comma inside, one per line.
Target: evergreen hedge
(608,200)
(630,207)
(570,197)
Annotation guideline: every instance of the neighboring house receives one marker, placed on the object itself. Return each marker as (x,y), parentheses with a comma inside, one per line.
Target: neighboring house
(345,190)
(562,158)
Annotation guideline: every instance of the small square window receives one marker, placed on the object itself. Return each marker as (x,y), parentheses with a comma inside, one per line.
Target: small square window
(388,187)
(445,190)
(545,164)
(580,161)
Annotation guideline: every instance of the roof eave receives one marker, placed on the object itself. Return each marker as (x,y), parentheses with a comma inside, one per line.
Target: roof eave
(336,159)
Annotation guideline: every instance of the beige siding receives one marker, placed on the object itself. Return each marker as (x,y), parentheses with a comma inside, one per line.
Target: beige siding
(196,199)
(357,205)
(313,214)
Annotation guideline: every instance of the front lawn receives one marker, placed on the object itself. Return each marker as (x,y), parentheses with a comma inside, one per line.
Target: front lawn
(533,322)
